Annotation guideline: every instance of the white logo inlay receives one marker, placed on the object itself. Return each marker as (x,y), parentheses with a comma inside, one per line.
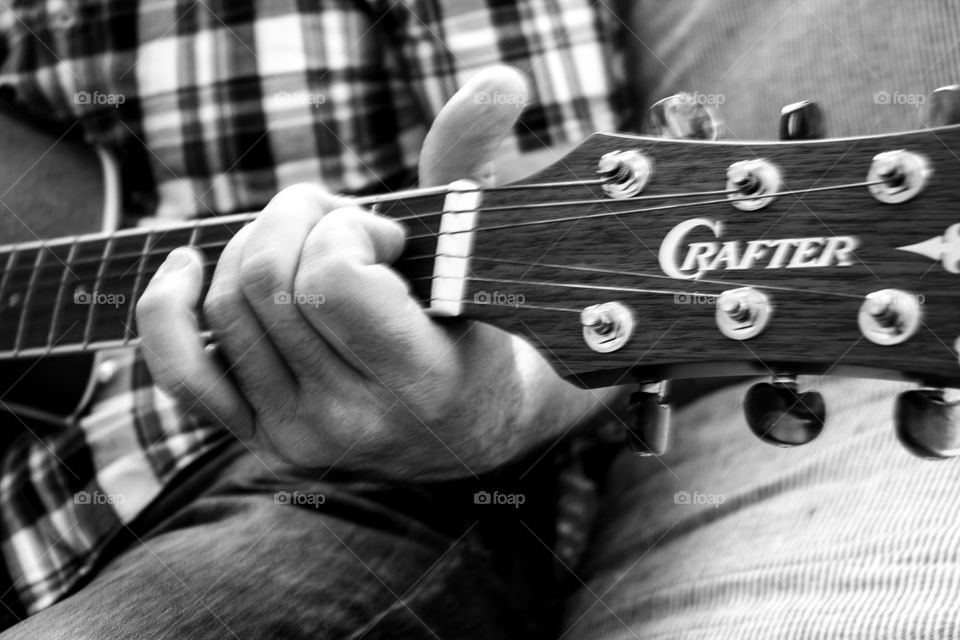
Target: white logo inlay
(945,248)
(733,255)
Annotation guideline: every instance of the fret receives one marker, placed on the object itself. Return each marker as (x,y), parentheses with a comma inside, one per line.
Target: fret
(78,286)
(67,272)
(4,302)
(194,234)
(159,244)
(134,294)
(44,286)
(114,302)
(21,323)
(88,327)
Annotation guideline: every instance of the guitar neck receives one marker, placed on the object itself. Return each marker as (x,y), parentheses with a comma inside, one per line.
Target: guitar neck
(79,293)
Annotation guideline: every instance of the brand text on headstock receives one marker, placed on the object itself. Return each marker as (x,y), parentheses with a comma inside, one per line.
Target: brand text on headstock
(691,260)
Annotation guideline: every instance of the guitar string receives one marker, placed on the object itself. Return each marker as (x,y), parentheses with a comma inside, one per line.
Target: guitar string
(621,289)
(631,274)
(608,214)
(154,250)
(54,282)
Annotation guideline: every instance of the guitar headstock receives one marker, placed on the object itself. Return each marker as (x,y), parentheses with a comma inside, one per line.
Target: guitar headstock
(839,256)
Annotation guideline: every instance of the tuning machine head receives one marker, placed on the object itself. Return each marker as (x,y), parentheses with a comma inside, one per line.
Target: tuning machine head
(650,433)
(942,107)
(682,116)
(802,121)
(779,414)
(897,176)
(927,424)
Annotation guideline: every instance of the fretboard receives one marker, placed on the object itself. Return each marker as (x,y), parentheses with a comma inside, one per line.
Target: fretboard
(79,293)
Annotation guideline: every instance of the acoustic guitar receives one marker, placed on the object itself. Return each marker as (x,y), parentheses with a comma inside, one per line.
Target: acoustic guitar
(633,259)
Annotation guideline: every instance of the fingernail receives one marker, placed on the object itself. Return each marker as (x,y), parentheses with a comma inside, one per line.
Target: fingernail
(178,259)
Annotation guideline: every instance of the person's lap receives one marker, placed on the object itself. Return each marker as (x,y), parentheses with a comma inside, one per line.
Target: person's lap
(849,536)
(370,561)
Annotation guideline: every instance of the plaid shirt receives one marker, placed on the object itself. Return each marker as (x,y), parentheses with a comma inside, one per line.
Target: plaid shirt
(230,101)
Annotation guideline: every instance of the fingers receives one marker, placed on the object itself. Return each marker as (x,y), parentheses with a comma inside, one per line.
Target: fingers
(368,315)
(267,269)
(260,372)
(469,130)
(173,348)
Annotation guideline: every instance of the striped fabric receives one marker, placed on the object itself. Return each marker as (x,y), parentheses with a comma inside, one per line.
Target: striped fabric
(847,537)
(230,101)
(729,538)
(867,63)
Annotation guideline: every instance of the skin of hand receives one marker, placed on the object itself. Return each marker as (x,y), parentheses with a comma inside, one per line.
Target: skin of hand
(364,380)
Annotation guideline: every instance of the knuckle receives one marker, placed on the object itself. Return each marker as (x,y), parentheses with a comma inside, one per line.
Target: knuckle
(221,308)
(260,276)
(323,278)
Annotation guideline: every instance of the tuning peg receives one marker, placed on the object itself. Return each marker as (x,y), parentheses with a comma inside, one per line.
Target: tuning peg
(942,107)
(801,121)
(682,116)
(927,425)
(778,414)
(650,435)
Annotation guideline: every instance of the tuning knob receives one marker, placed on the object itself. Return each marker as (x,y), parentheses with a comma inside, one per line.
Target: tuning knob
(650,433)
(927,425)
(801,121)
(942,107)
(779,414)
(682,116)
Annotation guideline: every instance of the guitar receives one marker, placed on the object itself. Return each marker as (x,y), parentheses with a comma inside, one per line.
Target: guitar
(632,259)
(51,184)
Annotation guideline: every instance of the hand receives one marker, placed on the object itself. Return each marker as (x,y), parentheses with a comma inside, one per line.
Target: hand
(353,373)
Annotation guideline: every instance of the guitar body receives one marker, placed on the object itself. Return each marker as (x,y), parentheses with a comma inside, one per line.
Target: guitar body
(40,173)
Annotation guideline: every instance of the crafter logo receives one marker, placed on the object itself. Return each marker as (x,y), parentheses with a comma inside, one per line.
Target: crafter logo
(685,260)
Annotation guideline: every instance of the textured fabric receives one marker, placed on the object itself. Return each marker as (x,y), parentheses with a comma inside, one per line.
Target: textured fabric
(231,101)
(727,537)
(256,554)
(65,492)
(868,63)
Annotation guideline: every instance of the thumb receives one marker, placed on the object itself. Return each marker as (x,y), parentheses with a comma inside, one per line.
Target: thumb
(471,127)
